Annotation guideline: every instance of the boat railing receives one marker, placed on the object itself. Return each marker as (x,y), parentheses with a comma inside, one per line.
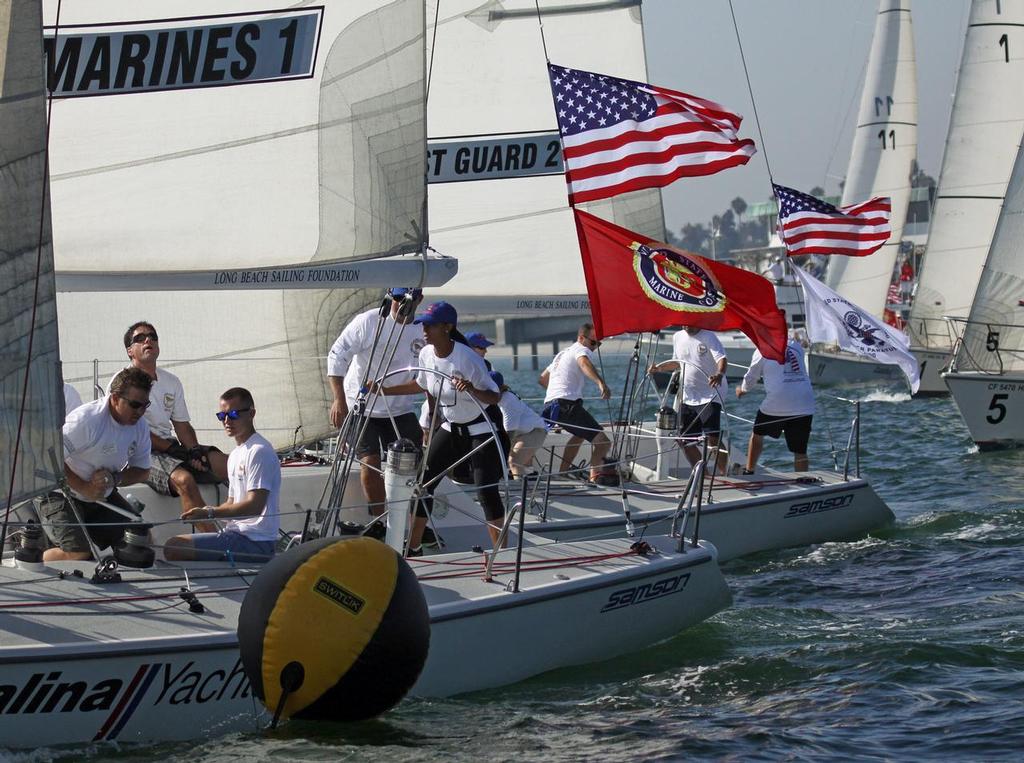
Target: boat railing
(987,347)
(936,333)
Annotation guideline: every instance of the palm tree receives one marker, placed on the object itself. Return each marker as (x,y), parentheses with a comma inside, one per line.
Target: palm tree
(739,206)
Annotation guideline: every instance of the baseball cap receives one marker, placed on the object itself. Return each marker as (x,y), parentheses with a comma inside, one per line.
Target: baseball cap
(498,379)
(477,339)
(438,312)
(400,291)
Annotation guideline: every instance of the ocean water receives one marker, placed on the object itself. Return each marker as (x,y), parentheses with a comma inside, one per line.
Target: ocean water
(906,644)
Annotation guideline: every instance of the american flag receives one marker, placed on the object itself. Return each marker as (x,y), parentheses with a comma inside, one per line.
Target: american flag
(619,135)
(810,226)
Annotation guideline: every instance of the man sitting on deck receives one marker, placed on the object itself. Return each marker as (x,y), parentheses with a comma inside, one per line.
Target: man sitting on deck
(254,489)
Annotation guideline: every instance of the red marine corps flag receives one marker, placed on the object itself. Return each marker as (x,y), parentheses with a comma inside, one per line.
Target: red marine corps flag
(639,284)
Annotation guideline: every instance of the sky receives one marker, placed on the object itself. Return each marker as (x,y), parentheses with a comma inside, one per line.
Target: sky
(805,60)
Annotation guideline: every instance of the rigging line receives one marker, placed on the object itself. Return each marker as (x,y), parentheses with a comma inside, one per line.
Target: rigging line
(35,293)
(433,50)
(750,89)
(540,23)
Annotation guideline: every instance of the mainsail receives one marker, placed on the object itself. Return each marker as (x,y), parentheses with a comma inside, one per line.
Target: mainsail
(985,129)
(497,194)
(243,149)
(28,310)
(993,340)
(884,146)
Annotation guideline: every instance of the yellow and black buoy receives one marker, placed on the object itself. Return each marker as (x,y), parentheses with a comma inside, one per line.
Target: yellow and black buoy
(334,629)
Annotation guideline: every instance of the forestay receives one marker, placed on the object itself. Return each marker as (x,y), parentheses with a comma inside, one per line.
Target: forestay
(234,148)
(884,146)
(26,246)
(497,195)
(985,129)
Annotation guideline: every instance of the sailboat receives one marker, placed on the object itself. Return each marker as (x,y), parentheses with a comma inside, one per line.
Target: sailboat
(985,130)
(884,146)
(986,377)
(92,653)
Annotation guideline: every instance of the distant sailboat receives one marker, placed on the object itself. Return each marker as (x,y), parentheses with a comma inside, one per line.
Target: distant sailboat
(985,129)
(884,147)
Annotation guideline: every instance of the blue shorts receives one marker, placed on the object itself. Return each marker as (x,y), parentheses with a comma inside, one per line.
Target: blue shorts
(216,547)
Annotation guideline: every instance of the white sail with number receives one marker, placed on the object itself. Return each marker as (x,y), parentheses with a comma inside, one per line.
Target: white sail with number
(221,170)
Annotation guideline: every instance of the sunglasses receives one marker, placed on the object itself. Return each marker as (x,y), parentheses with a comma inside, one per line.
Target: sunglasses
(140,338)
(222,416)
(136,405)
(594,342)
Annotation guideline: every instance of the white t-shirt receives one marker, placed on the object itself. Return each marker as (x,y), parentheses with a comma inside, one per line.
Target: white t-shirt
(565,377)
(166,404)
(94,440)
(253,465)
(456,407)
(71,399)
(701,353)
(517,415)
(787,386)
(350,355)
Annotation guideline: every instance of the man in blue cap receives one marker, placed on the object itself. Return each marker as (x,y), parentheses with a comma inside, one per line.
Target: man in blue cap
(365,351)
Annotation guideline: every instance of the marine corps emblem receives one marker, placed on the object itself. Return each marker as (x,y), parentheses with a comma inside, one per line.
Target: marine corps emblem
(676,281)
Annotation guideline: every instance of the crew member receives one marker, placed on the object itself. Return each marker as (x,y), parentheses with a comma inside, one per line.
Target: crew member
(525,428)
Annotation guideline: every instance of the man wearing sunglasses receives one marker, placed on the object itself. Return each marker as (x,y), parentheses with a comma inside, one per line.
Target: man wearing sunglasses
(251,514)
(367,349)
(564,380)
(180,463)
(106,444)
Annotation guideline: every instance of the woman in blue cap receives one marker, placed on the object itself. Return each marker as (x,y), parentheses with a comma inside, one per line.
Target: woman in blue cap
(463,426)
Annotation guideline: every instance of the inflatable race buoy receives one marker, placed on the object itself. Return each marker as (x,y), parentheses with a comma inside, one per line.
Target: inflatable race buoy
(335,629)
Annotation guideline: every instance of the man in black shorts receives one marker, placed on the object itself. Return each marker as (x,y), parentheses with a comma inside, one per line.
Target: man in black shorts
(564,380)
(106,445)
(788,406)
(368,348)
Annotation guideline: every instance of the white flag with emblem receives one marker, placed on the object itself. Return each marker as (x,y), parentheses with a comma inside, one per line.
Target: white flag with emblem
(836,320)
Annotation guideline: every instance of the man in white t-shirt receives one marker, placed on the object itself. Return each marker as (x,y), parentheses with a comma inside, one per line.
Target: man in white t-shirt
(180,463)
(525,427)
(788,406)
(106,444)
(364,351)
(254,492)
(701,360)
(564,380)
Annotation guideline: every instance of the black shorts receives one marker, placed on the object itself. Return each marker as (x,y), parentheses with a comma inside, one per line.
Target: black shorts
(700,419)
(572,417)
(65,532)
(796,428)
(379,433)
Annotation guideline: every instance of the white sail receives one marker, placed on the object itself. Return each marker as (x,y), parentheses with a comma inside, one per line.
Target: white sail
(223,146)
(884,146)
(28,314)
(490,99)
(993,340)
(985,129)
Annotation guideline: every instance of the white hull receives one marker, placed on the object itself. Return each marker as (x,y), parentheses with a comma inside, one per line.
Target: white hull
(168,673)
(992,406)
(835,368)
(932,363)
(556,623)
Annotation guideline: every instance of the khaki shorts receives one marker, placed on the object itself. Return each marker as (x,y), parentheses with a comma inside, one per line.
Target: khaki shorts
(524,444)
